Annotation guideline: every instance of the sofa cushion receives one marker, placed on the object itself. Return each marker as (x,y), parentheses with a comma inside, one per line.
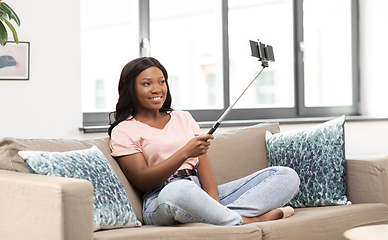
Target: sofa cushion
(324,222)
(367,178)
(317,154)
(231,148)
(10,160)
(9,148)
(189,231)
(112,208)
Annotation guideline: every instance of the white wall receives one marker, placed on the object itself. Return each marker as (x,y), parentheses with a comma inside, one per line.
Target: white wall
(49,104)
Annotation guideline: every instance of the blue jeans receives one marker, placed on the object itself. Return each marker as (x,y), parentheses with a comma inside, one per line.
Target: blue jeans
(183,200)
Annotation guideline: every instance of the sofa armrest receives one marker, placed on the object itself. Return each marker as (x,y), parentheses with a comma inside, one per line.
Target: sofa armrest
(367,179)
(35,206)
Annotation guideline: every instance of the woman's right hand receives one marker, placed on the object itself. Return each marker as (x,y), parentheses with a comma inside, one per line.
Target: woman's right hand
(197,146)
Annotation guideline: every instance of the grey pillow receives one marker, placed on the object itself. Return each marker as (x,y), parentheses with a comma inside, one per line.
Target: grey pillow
(112,208)
(317,154)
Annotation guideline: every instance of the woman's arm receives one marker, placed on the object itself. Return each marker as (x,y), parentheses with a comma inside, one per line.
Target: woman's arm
(146,177)
(207,178)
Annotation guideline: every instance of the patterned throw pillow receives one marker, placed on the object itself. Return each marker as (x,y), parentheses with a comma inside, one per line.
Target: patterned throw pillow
(112,208)
(317,154)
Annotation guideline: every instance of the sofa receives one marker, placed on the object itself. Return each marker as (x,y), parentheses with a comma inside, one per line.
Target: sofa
(34,206)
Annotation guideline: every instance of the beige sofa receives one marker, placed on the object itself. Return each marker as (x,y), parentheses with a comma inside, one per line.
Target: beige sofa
(43,207)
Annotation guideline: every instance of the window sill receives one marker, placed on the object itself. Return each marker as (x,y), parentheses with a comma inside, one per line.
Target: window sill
(241,123)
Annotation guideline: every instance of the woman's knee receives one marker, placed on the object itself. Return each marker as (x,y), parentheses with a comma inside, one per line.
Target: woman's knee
(290,175)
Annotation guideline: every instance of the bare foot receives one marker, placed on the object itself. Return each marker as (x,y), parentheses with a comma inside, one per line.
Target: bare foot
(287,211)
(271,215)
(275,214)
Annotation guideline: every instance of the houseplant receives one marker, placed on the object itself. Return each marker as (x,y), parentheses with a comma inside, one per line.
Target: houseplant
(6,15)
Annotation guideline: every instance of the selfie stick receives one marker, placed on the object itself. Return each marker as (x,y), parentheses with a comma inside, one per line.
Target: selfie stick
(265,54)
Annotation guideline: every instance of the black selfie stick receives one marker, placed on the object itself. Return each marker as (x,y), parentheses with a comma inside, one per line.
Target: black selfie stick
(265,54)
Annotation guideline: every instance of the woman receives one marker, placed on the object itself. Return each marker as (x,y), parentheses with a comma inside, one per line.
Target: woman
(163,154)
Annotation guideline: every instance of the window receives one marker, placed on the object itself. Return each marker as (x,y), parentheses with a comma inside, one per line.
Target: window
(109,37)
(265,89)
(272,21)
(204,46)
(185,37)
(100,94)
(327,56)
(327,53)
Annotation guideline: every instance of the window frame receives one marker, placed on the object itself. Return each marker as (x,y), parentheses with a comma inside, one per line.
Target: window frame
(99,121)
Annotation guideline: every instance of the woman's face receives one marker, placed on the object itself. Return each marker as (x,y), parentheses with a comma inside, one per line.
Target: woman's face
(151,89)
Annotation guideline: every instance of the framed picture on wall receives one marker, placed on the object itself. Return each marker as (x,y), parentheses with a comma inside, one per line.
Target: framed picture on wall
(15,61)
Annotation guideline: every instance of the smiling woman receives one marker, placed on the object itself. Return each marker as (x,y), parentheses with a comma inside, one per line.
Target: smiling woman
(163,154)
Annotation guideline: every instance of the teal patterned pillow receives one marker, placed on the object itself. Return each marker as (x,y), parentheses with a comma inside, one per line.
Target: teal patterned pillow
(317,154)
(112,208)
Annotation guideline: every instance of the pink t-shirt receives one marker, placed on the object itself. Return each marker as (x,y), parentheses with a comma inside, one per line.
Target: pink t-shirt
(132,136)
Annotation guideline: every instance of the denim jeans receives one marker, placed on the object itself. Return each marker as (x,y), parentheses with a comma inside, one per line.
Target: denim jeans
(183,200)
